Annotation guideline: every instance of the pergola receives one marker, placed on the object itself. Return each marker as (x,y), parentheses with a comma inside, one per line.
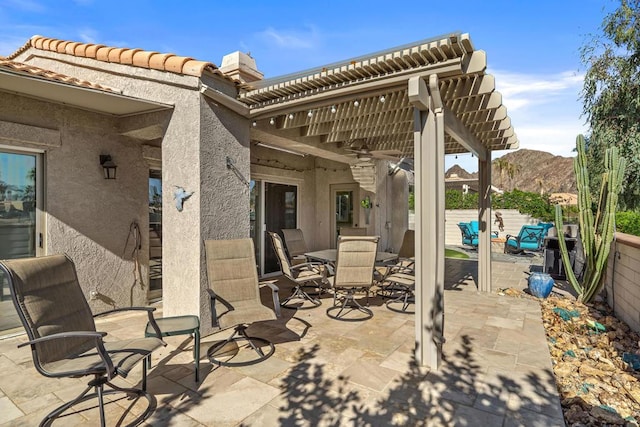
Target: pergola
(422,100)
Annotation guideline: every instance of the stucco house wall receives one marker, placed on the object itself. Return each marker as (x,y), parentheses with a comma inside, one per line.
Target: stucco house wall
(196,139)
(85,216)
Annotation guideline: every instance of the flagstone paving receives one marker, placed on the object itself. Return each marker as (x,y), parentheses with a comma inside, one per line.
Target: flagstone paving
(496,369)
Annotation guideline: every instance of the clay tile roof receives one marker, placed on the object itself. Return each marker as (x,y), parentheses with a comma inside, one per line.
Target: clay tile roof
(134,57)
(30,70)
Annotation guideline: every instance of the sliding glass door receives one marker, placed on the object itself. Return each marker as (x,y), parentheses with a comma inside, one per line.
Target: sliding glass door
(20,193)
(273,206)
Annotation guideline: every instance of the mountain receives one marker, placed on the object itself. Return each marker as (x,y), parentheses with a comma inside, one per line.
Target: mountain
(529,170)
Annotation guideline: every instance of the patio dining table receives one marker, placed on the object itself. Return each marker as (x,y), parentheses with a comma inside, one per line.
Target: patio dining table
(330,256)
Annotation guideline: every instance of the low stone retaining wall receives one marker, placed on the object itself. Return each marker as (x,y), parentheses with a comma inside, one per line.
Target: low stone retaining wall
(622,281)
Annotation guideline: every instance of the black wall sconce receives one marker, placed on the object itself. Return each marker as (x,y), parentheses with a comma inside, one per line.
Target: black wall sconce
(108,166)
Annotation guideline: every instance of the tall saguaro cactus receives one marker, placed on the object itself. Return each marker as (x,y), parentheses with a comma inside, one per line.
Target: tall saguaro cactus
(596,233)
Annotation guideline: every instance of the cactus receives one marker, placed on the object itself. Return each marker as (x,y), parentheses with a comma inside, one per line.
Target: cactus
(596,233)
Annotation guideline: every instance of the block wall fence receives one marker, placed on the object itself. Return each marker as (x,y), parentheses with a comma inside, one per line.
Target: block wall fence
(622,281)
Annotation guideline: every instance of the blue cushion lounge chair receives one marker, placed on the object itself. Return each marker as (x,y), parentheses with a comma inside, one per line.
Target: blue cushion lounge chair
(469,237)
(530,238)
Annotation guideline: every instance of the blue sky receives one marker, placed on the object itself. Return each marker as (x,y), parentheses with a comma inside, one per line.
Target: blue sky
(532,46)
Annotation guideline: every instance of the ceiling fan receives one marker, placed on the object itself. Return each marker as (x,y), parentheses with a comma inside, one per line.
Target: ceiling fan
(364,154)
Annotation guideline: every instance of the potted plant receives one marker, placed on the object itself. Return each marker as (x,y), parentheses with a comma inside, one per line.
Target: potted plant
(366,205)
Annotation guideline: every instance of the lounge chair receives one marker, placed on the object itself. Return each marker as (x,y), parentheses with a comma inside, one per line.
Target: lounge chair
(469,235)
(235,298)
(529,238)
(63,337)
(309,274)
(355,260)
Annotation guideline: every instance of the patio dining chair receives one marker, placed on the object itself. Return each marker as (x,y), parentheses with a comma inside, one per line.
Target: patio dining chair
(308,275)
(235,299)
(355,261)
(63,337)
(404,264)
(529,238)
(296,245)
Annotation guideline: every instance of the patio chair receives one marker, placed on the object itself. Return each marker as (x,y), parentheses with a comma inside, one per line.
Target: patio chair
(401,287)
(404,264)
(469,237)
(355,261)
(309,274)
(530,238)
(63,337)
(296,245)
(235,298)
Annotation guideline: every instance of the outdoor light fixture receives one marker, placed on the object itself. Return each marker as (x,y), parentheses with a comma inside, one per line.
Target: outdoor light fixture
(254,124)
(333,109)
(272,121)
(291,116)
(108,166)
(310,114)
(382,99)
(356,103)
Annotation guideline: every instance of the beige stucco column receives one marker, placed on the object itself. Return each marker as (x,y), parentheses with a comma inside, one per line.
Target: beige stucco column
(484,221)
(196,161)
(429,202)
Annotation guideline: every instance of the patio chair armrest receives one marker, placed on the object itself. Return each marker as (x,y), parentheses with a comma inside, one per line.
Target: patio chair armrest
(117,310)
(149,310)
(318,267)
(62,335)
(274,295)
(214,314)
(509,236)
(102,352)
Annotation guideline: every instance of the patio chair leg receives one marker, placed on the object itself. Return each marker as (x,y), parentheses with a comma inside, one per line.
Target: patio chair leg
(349,301)
(239,334)
(97,384)
(405,297)
(299,293)
(100,390)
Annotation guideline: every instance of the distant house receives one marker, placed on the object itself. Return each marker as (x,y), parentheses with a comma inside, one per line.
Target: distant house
(466,185)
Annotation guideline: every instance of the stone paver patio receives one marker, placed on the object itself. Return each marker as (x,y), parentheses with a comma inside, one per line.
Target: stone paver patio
(496,369)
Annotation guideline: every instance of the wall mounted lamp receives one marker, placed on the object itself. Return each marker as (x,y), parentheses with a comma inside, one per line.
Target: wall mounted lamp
(108,167)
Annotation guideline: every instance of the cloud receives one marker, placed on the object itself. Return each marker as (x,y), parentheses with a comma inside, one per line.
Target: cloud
(26,5)
(290,39)
(545,109)
(520,90)
(88,35)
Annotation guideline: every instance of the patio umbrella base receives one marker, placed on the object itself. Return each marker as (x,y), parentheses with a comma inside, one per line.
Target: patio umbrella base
(98,385)
(300,294)
(239,335)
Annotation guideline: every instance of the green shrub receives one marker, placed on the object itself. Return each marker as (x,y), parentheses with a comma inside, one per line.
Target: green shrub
(454,199)
(628,222)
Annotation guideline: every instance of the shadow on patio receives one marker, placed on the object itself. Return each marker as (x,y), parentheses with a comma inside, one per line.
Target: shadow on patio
(496,370)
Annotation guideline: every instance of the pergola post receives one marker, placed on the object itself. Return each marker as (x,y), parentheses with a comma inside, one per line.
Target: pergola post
(484,219)
(429,226)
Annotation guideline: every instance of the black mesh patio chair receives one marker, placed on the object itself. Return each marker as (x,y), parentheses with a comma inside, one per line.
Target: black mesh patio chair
(63,337)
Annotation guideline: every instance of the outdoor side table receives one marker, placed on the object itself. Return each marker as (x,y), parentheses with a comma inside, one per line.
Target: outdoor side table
(179,325)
